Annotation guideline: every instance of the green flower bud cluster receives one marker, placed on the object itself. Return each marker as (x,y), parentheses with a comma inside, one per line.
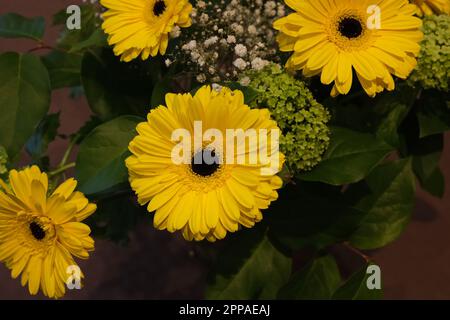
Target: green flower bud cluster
(433,68)
(302,120)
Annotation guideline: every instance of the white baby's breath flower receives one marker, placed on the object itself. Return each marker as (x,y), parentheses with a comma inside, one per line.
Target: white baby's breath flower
(245,81)
(231,39)
(240,50)
(210,41)
(252,30)
(240,63)
(258,63)
(176,31)
(217,87)
(201,78)
(168,62)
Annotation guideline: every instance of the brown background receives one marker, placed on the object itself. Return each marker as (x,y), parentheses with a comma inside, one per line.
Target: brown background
(158,265)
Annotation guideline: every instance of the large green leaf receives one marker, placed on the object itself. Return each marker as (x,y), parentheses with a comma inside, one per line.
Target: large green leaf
(24,98)
(426,154)
(89,24)
(64,69)
(318,280)
(388,205)
(315,217)
(355,288)
(16,26)
(96,39)
(114,88)
(250,267)
(388,127)
(433,114)
(349,158)
(101,159)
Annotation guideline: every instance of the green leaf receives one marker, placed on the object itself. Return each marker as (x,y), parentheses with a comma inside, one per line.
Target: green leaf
(355,288)
(102,154)
(250,267)
(426,154)
(303,217)
(96,39)
(115,88)
(388,205)
(89,24)
(16,26)
(24,98)
(318,280)
(350,157)
(250,94)
(433,114)
(388,127)
(434,183)
(45,133)
(116,217)
(64,69)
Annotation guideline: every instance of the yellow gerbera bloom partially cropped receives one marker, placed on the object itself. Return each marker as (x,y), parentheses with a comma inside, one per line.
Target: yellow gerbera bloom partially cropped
(142,27)
(205,198)
(39,233)
(428,7)
(332,38)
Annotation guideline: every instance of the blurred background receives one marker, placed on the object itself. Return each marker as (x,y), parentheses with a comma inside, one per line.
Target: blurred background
(159,265)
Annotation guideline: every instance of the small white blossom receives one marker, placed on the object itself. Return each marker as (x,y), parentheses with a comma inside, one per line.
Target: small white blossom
(259,63)
(231,39)
(176,31)
(240,64)
(245,81)
(240,50)
(201,78)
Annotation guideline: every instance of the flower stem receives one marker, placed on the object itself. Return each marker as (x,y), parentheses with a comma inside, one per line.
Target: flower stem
(359,253)
(61,169)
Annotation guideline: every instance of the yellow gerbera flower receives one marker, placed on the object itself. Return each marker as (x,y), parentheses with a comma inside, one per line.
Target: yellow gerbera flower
(205,199)
(40,233)
(428,7)
(334,37)
(142,27)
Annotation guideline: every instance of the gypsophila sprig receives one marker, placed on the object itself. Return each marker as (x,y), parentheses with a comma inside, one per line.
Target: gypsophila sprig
(227,38)
(433,69)
(302,120)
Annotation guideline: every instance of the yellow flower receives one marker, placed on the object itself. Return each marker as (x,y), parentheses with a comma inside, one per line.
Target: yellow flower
(142,27)
(205,199)
(333,38)
(40,233)
(429,7)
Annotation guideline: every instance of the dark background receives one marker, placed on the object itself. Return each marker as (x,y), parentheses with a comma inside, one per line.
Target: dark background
(159,265)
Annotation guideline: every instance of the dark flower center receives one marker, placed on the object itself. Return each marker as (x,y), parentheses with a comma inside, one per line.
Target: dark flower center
(205,163)
(37,231)
(350,28)
(159,7)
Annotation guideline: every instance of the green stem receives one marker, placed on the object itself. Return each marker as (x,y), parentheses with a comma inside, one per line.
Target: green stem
(61,169)
(67,153)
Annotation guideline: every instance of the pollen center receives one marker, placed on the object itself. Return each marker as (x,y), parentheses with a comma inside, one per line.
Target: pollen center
(159,7)
(350,27)
(205,163)
(37,231)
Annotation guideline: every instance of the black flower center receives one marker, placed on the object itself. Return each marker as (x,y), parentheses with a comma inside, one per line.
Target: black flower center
(159,7)
(205,163)
(350,27)
(37,231)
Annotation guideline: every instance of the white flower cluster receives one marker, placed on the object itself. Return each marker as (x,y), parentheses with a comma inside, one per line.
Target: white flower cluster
(228,37)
